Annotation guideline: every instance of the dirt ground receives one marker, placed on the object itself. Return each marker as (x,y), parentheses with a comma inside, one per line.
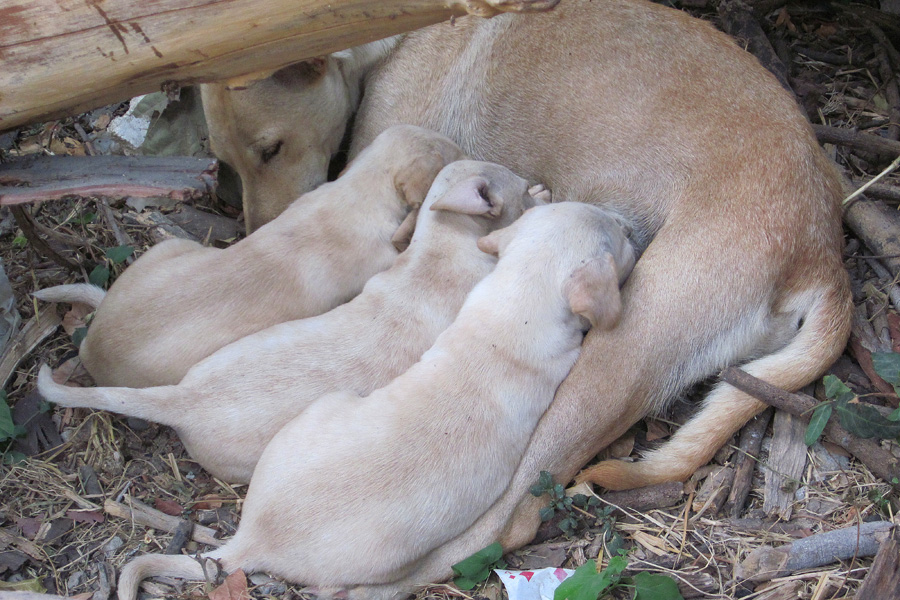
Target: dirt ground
(59,533)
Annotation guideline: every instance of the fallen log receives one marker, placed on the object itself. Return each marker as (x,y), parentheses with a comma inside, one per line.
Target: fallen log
(41,178)
(60,57)
(767,563)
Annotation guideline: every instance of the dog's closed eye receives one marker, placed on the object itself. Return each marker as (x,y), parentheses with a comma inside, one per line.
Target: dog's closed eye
(270,152)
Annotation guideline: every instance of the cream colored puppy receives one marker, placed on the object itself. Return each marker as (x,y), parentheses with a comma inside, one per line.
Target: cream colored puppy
(355,491)
(229,405)
(181,302)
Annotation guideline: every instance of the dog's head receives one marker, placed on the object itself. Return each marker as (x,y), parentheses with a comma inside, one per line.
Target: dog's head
(278,132)
(589,247)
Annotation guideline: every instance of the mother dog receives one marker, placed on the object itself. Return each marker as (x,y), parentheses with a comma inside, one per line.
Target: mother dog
(665,120)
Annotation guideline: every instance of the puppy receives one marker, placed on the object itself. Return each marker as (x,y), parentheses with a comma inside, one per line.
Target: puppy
(181,302)
(229,405)
(357,490)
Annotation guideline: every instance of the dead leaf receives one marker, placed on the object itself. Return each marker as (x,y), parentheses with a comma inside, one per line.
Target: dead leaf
(208,502)
(656,430)
(622,447)
(75,318)
(72,373)
(29,526)
(827,30)
(41,433)
(101,122)
(233,588)
(85,516)
(170,507)
(784,20)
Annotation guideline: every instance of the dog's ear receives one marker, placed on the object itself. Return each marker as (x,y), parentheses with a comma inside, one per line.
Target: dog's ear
(593,292)
(303,72)
(470,196)
(404,233)
(496,241)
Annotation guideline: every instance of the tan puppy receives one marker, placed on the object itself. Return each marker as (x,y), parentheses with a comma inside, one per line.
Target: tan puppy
(357,490)
(734,205)
(181,301)
(228,407)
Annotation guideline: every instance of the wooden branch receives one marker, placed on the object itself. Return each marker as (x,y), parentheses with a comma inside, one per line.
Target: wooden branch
(60,57)
(767,563)
(33,333)
(749,444)
(29,229)
(787,460)
(877,225)
(144,515)
(879,146)
(879,460)
(739,22)
(53,177)
(883,579)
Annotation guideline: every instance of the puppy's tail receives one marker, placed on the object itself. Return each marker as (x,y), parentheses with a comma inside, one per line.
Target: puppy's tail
(816,345)
(73,292)
(174,565)
(144,403)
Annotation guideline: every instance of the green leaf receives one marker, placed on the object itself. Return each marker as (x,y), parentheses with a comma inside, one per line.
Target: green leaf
(20,241)
(118,254)
(78,335)
(865,421)
(477,567)
(26,585)
(894,416)
(8,429)
(887,365)
(587,584)
(817,423)
(547,513)
(13,458)
(648,586)
(836,389)
(99,276)
(464,583)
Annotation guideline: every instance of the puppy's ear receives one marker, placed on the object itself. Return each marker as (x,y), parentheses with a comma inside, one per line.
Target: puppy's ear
(496,241)
(593,292)
(404,233)
(470,196)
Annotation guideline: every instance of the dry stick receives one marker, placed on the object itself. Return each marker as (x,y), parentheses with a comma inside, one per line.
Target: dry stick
(749,444)
(27,339)
(893,291)
(876,225)
(880,461)
(889,193)
(873,144)
(766,562)
(740,23)
(787,461)
(27,225)
(122,238)
(883,579)
(890,91)
(144,515)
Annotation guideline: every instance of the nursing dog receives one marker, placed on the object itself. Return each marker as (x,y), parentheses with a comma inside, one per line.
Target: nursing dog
(355,491)
(229,405)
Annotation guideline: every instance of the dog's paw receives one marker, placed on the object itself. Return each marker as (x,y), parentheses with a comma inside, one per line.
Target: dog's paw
(541,193)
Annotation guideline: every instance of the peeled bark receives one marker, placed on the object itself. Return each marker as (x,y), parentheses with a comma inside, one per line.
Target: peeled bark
(60,57)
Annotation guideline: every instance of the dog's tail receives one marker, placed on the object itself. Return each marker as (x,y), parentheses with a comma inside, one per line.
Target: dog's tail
(175,565)
(73,292)
(818,342)
(144,403)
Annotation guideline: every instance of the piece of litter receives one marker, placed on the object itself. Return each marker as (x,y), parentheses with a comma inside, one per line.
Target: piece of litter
(538,584)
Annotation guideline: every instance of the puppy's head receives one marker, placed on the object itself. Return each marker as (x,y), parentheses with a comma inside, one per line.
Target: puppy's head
(483,190)
(588,247)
